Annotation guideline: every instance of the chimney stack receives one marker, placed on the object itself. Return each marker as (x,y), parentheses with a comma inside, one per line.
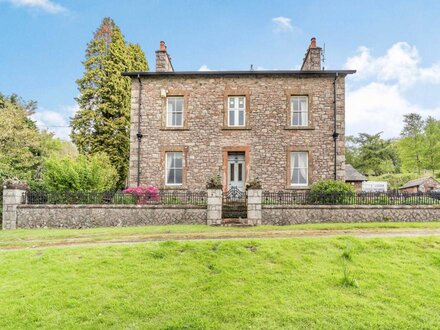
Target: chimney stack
(163,59)
(312,60)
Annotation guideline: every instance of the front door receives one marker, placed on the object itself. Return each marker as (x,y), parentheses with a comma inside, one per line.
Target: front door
(236,171)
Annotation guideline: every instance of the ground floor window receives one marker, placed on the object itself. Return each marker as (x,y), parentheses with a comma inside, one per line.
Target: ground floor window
(174,168)
(299,162)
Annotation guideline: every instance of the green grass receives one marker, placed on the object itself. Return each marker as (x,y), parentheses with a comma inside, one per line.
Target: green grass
(325,283)
(38,237)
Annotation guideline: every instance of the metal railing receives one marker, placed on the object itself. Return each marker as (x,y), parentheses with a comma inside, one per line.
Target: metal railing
(358,198)
(111,198)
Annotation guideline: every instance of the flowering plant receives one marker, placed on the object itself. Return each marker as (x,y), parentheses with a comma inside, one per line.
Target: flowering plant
(143,194)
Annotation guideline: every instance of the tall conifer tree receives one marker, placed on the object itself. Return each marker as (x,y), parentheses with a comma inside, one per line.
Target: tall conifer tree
(102,123)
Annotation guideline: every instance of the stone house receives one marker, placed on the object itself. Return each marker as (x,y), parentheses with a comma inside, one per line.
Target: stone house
(284,127)
(354,177)
(420,185)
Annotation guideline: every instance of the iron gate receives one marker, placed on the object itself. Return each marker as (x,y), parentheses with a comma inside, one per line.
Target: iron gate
(234,204)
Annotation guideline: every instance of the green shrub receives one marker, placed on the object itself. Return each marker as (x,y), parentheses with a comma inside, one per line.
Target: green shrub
(82,173)
(124,199)
(331,192)
(171,200)
(420,200)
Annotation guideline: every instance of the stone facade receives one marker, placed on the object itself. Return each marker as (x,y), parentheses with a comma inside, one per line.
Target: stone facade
(91,216)
(266,139)
(289,215)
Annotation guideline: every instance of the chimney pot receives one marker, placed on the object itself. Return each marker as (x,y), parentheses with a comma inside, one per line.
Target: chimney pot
(313,43)
(162,47)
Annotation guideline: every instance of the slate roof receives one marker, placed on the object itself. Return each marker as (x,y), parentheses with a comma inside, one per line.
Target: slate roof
(416,182)
(351,174)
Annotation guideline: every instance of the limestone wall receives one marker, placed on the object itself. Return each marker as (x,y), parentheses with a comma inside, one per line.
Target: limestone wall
(287,215)
(89,216)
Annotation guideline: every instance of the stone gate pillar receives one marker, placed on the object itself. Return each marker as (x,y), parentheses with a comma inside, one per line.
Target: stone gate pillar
(12,197)
(214,210)
(254,206)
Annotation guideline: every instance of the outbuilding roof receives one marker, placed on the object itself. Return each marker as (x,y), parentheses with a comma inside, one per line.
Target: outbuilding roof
(416,182)
(351,174)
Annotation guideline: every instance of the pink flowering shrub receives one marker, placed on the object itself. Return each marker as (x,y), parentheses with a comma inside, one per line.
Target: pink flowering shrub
(143,194)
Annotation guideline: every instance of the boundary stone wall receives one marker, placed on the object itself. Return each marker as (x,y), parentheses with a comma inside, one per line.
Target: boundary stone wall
(288,215)
(90,216)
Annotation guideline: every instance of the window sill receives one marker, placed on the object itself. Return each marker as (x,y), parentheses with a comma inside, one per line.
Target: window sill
(289,187)
(167,187)
(299,128)
(244,128)
(174,129)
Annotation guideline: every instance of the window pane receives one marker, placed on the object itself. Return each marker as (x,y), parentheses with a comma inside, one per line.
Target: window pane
(303,120)
(170,178)
(178,176)
(179,104)
(231,102)
(169,119)
(178,119)
(295,104)
(302,176)
(231,118)
(178,162)
(240,172)
(302,156)
(295,160)
(295,119)
(169,159)
(232,171)
(303,104)
(241,118)
(170,105)
(295,176)
(241,102)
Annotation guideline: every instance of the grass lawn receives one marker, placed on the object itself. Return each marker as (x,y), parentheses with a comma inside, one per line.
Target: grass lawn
(389,283)
(40,237)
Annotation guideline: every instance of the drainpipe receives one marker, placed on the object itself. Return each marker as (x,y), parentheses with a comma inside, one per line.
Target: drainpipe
(139,134)
(335,134)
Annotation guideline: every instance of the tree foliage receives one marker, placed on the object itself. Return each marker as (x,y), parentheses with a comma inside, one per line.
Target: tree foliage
(372,155)
(20,144)
(82,173)
(103,122)
(419,147)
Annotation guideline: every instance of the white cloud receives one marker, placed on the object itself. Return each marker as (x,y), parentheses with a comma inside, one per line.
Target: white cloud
(282,24)
(56,122)
(204,67)
(400,64)
(45,5)
(380,102)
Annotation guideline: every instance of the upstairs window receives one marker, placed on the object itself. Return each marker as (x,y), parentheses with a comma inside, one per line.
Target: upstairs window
(174,168)
(236,111)
(300,110)
(299,162)
(175,111)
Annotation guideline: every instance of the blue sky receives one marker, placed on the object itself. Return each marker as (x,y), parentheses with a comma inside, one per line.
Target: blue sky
(394,45)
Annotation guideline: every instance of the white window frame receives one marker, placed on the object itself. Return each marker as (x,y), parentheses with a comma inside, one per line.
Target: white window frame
(237,111)
(174,168)
(299,112)
(170,124)
(292,168)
